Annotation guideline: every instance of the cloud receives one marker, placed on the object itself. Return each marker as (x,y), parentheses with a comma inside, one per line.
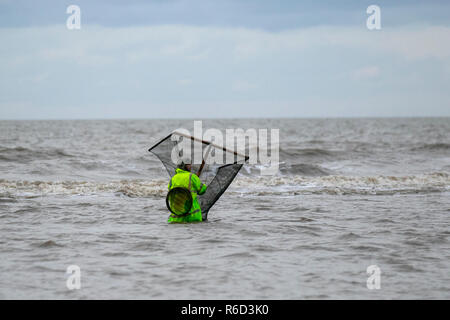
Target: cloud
(185,82)
(243,86)
(193,42)
(366,72)
(187,65)
(418,43)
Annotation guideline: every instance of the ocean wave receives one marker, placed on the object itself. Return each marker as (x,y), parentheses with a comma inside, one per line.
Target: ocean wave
(432,147)
(259,186)
(293,153)
(288,169)
(131,188)
(304,169)
(340,184)
(47,244)
(24,155)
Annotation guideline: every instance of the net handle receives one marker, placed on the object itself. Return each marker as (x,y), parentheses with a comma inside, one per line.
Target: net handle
(211,144)
(204,161)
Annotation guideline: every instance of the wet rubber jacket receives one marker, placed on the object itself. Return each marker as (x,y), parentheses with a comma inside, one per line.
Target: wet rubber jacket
(192,182)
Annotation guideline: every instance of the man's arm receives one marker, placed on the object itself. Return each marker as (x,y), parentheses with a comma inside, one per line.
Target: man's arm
(198,185)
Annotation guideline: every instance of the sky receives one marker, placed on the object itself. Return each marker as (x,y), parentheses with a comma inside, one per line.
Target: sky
(223,59)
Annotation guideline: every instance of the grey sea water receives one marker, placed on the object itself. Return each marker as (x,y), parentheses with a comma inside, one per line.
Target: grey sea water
(349,193)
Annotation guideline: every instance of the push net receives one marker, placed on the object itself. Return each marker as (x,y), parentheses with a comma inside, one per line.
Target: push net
(219,164)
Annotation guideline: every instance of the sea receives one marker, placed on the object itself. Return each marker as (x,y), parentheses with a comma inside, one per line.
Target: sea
(358,209)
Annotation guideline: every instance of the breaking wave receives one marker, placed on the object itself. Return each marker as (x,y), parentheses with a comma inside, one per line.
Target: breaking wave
(131,188)
(259,186)
(339,184)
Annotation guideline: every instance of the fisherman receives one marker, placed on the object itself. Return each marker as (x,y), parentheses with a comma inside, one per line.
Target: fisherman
(185,178)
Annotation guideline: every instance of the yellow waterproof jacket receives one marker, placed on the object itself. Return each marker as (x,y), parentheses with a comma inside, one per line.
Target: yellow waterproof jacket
(192,182)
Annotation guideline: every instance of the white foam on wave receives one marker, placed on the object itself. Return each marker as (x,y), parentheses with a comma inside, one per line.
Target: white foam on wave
(340,184)
(132,188)
(260,185)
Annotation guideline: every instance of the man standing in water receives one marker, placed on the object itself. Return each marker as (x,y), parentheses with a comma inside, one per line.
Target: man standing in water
(186,179)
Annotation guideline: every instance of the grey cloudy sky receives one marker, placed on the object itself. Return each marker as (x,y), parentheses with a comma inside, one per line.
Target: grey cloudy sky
(202,59)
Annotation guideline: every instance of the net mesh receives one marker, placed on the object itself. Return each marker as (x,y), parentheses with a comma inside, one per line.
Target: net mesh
(179,201)
(220,165)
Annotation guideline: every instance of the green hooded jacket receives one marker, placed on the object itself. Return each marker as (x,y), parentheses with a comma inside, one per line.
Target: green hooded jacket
(192,182)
